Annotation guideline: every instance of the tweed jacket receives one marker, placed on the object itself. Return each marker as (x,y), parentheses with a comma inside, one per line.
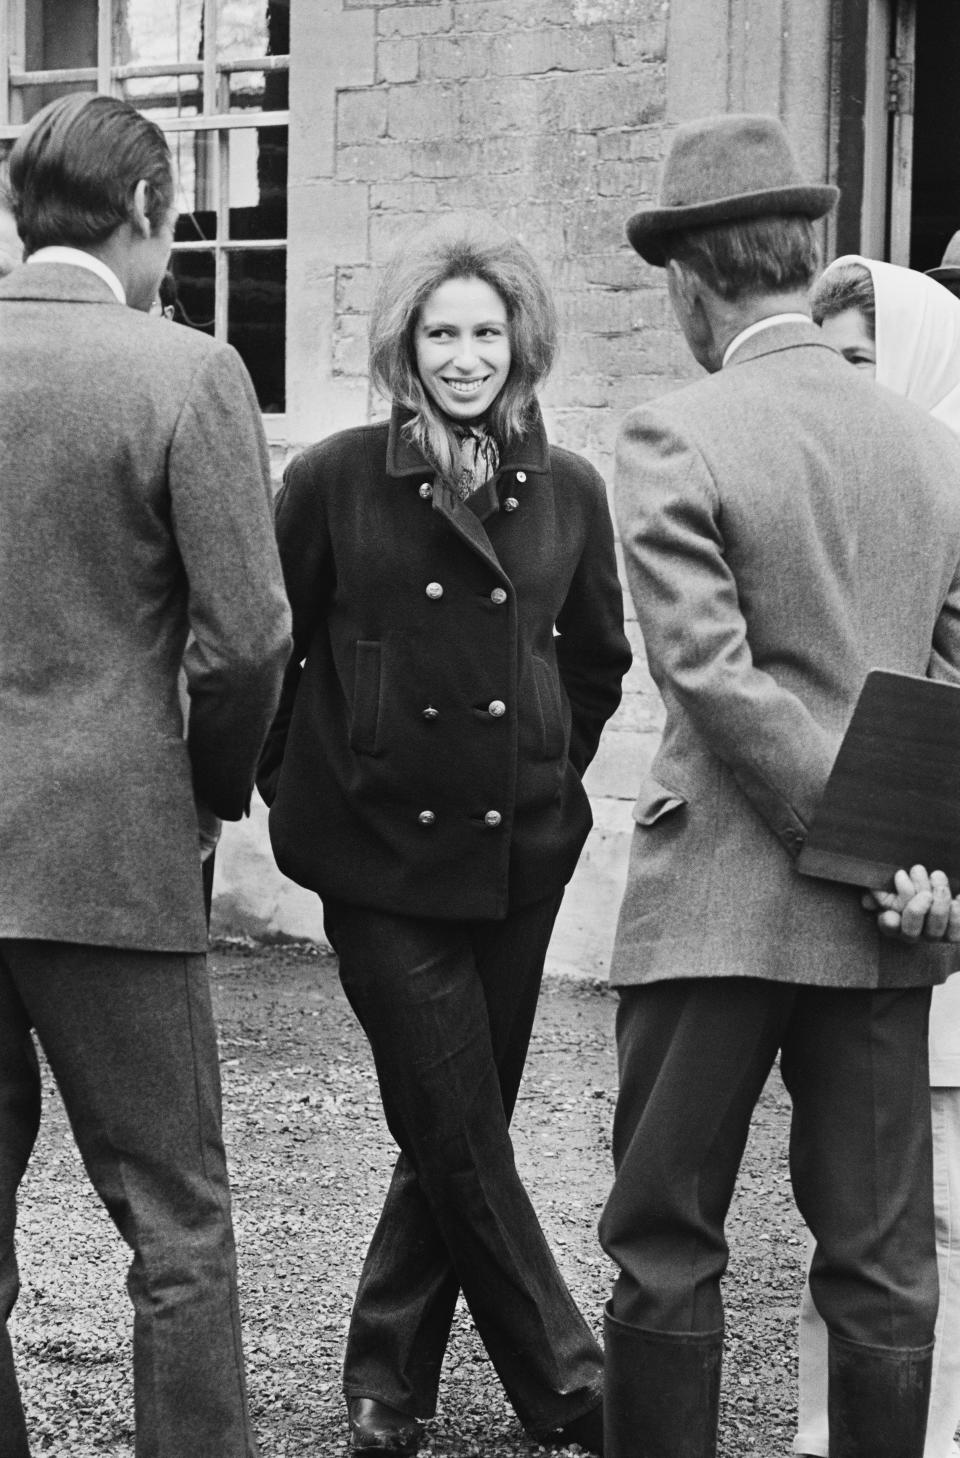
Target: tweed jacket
(459,660)
(134,507)
(787,525)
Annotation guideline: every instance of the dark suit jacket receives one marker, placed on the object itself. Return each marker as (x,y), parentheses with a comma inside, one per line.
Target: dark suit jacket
(787,525)
(461,660)
(134,506)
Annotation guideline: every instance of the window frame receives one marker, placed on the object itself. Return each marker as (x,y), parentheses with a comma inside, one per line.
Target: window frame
(105,78)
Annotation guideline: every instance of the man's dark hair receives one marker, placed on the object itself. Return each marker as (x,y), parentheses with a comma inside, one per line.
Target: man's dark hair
(772,255)
(74,170)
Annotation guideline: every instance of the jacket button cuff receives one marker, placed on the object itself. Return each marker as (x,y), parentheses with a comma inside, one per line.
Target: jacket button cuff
(427,818)
(430,713)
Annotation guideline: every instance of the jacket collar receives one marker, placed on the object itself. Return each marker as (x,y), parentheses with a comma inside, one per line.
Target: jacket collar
(791,334)
(56,283)
(531,453)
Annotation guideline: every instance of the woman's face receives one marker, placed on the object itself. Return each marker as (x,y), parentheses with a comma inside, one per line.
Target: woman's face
(462,344)
(848,333)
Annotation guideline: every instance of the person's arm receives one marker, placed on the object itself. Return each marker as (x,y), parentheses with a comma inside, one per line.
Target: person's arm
(696,635)
(593,653)
(221,515)
(304,545)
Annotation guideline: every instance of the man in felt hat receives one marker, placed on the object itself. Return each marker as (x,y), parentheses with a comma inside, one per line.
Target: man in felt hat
(786,526)
(948,272)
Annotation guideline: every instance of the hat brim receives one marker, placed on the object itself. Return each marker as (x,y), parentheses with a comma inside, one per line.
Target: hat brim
(646,230)
(948,274)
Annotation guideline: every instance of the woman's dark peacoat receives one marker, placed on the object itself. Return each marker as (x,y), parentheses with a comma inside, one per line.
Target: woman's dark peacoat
(453,666)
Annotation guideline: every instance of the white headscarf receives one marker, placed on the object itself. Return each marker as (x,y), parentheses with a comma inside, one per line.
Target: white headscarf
(917,338)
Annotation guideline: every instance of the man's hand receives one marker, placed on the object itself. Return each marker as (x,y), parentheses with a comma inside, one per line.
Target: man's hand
(920,905)
(208,829)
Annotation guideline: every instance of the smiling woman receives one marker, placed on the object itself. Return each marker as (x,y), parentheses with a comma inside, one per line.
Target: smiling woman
(458,647)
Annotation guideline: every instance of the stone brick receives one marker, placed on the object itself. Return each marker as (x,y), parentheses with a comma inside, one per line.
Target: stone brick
(361,115)
(533,52)
(414,20)
(646,40)
(350,345)
(496,106)
(637,180)
(425,110)
(454,57)
(498,15)
(379,160)
(354,289)
(593,101)
(404,197)
(645,143)
(398,60)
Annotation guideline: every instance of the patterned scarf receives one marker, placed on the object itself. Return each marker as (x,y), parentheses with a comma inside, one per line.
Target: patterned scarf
(479,459)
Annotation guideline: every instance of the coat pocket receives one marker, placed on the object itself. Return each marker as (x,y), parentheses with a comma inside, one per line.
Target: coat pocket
(655,801)
(554,734)
(365,721)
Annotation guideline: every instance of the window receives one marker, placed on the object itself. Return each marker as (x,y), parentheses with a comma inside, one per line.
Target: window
(214,75)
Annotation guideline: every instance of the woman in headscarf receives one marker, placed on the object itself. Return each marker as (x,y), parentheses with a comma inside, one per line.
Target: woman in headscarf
(904,329)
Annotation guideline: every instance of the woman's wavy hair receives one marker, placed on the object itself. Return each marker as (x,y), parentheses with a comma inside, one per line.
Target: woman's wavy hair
(74,170)
(461,248)
(845,286)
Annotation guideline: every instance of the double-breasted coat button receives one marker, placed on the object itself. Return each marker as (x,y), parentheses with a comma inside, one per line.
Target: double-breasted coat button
(521,476)
(431,713)
(426,490)
(492,819)
(511,504)
(434,590)
(497,709)
(427,818)
(498,595)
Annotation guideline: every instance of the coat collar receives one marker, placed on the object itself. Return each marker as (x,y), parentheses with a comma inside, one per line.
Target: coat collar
(531,453)
(62,283)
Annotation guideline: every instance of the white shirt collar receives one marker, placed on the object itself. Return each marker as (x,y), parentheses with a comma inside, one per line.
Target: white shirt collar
(755,328)
(80,259)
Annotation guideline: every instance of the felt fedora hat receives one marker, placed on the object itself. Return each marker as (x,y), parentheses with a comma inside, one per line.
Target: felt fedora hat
(724,169)
(949,269)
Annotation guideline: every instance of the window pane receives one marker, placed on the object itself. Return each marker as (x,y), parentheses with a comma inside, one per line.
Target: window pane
(58,35)
(259,90)
(197,164)
(257,321)
(152,32)
(258,182)
(253,28)
(194,290)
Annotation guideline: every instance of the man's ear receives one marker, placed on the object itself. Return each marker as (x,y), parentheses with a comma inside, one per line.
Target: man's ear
(139,217)
(682,283)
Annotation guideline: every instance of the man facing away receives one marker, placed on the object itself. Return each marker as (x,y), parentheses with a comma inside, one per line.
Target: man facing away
(787,527)
(135,508)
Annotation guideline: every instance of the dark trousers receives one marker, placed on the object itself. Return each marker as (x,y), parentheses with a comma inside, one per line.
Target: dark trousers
(448,1008)
(131,1042)
(694,1055)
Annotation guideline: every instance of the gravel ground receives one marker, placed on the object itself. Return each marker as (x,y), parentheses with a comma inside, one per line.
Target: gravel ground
(310,1161)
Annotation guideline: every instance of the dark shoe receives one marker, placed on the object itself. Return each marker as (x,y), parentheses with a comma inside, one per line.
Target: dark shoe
(375,1427)
(877,1399)
(585,1430)
(661,1392)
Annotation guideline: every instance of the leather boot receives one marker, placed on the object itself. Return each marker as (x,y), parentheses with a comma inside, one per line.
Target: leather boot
(661,1392)
(877,1399)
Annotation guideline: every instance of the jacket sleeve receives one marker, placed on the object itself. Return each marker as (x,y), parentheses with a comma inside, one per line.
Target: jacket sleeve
(593,653)
(304,543)
(219,482)
(669,510)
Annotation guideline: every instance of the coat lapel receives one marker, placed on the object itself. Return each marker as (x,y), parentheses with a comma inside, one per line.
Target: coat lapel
(466,518)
